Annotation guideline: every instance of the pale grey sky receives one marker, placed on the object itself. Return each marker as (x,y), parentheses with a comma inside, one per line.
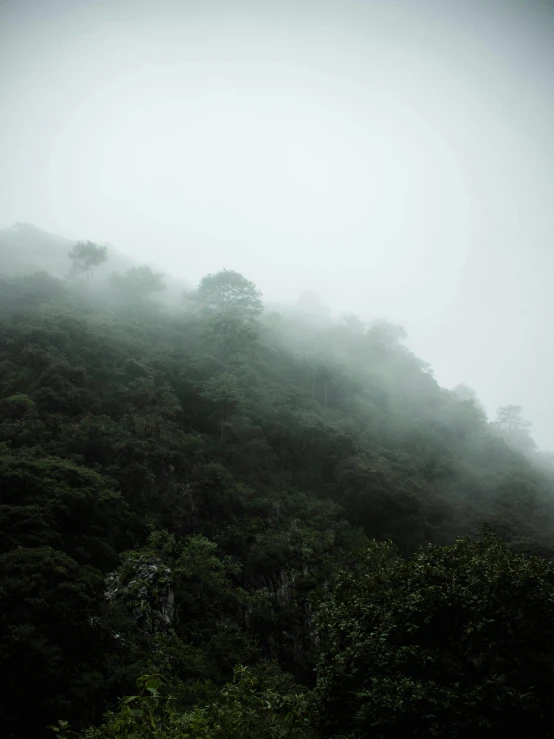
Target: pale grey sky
(394,156)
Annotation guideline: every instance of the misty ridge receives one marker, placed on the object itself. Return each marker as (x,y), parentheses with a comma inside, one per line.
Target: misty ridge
(394,158)
(276,440)
(25,249)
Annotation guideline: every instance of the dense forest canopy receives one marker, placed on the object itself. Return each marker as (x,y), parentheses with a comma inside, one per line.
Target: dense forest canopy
(267,519)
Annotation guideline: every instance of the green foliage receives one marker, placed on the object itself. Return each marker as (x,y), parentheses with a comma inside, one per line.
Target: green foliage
(195,479)
(457,641)
(52,626)
(243,710)
(47,500)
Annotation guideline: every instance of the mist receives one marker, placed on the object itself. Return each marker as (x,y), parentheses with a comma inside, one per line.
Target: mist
(395,158)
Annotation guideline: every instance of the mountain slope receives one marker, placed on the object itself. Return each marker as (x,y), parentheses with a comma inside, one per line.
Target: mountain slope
(25,249)
(180,486)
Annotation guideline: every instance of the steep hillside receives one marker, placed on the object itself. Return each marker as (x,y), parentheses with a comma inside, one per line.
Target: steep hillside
(179,487)
(26,250)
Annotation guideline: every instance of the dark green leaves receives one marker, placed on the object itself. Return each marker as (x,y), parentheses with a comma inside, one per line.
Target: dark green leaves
(456,640)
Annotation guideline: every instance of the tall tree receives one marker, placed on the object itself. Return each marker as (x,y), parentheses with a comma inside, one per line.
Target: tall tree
(229,292)
(85,256)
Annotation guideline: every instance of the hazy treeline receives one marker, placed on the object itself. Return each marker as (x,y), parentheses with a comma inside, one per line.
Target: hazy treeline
(259,508)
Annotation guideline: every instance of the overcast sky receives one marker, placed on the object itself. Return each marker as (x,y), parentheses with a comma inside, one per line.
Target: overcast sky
(396,157)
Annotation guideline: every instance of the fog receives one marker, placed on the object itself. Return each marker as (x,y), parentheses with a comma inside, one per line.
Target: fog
(394,157)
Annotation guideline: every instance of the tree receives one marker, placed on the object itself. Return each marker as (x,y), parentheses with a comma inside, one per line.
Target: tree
(458,642)
(229,292)
(139,282)
(383,333)
(85,256)
(510,418)
(514,428)
(230,335)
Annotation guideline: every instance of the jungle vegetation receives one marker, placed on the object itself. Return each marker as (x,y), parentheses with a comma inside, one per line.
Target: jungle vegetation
(223,521)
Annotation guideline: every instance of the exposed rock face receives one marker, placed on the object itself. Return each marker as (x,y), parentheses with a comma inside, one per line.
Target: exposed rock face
(145,585)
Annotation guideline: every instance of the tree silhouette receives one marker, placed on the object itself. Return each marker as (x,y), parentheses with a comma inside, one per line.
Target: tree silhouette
(85,256)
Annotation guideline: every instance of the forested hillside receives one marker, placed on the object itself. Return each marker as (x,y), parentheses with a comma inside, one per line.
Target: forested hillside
(238,501)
